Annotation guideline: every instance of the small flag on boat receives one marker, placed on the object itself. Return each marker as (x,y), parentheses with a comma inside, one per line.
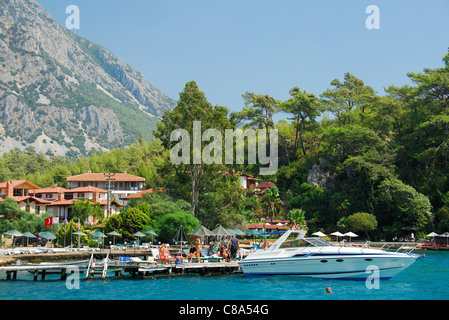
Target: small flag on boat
(48,221)
(294,227)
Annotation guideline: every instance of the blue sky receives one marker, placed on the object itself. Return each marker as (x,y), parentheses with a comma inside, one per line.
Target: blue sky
(266,47)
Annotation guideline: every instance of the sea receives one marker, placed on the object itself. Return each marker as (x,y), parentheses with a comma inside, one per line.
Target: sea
(426,280)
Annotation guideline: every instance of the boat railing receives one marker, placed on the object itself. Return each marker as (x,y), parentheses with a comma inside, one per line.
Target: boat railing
(400,246)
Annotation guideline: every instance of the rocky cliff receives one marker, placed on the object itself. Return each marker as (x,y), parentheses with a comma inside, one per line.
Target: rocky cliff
(64,95)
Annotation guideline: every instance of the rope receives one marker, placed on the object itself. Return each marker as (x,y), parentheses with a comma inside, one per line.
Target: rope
(445,262)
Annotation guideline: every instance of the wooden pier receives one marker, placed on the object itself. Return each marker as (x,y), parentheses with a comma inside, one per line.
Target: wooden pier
(139,268)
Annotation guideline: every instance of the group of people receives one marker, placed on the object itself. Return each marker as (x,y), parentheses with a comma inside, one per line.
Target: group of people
(227,252)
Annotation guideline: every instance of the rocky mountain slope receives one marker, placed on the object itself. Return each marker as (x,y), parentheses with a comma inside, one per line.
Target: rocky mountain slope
(64,95)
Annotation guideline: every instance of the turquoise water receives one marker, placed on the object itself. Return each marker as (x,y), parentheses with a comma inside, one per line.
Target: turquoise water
(424,280)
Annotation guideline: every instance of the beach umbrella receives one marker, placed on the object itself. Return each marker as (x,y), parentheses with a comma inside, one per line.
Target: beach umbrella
(201,231)
(254,233)
(47,235)
(138,234)
(28,235)
(445,235)
(220,231)
(350,235)
(114,234)
(433,234)
(237,232)
(13,233)
(180,236)
(98,235)
(337,234)
(79,234)
(152,233)
(318,234)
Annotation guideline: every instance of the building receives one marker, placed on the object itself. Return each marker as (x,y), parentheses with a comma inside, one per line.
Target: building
(61,200)
(62,207)
(248,182)
(120,184)
(23,192)
(56,201)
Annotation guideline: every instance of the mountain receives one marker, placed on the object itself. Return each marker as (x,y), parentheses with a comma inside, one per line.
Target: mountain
(64,95)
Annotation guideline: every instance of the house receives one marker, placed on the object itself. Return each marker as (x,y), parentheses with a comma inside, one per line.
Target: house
(120,184)
(56,201)
(248,182)
(23,192)
(61,200)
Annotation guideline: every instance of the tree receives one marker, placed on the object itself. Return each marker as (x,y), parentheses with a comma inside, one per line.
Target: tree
(298,216)
(400,203)
(304,108)
(433,84)
(258,111)
(82,209)
(314,201)
(193,106)
(167,225)
(361,221)
(345,97)
(133,220)
(272,203)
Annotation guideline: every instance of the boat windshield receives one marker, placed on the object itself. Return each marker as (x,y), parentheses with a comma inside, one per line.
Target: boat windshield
(305,242)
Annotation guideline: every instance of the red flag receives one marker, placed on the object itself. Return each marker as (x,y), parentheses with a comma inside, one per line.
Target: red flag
(294,227)
(48,221)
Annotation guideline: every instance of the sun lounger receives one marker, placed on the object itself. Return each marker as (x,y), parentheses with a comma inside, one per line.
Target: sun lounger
(5,252)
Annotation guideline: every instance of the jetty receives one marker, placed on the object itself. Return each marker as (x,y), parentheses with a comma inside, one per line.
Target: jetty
(105,265)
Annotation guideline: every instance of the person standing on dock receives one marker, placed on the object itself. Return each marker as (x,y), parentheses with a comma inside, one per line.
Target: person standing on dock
(234,247)
(198,248)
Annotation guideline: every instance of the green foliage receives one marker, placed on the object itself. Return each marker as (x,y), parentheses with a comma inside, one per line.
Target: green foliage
(402,204)
(82,209)
(167,225)
(65,236)
(360,221)
(298,216)
(370,157)
(11,217)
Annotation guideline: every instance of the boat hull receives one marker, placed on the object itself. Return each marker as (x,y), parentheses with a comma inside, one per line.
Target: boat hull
(345,267)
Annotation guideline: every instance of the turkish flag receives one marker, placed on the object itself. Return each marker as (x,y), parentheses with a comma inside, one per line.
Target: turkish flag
(48,221)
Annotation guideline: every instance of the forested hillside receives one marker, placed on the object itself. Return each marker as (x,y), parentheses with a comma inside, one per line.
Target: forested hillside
(349,158)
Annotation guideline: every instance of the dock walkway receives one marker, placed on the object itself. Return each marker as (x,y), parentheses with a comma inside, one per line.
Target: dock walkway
(143,269)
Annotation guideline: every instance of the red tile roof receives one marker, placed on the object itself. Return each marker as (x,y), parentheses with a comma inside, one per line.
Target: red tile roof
(139,195)
(31,198)
(267,227)
(49,190)
(88,189)
(21,183)
(119,177)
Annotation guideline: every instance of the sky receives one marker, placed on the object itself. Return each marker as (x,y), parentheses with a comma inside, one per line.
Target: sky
(266,47)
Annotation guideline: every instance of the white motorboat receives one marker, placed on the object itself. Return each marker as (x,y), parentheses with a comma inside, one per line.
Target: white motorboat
(315,257)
